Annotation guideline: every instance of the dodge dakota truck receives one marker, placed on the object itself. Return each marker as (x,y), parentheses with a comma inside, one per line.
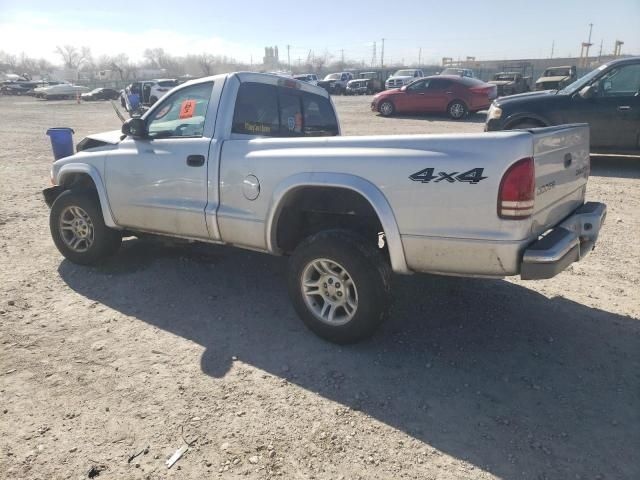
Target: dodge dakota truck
(257,161)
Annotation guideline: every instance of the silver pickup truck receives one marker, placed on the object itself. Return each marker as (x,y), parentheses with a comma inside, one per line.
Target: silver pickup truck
(256,161)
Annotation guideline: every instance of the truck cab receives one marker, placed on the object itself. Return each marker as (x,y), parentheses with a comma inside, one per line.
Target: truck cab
(256,161)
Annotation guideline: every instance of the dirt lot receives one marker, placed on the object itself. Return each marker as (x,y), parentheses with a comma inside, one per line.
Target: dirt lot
(470,379)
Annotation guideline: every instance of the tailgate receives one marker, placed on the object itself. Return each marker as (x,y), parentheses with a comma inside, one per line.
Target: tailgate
(561,156)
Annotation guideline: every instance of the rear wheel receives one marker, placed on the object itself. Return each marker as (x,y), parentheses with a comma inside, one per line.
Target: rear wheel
(78,229)
(339,286)
(457,110)
(386,109)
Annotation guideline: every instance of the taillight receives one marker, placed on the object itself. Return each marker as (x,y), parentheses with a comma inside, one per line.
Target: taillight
(517,190)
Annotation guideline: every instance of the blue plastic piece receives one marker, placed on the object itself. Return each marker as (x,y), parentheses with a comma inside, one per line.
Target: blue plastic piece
(61,142)
(134,101)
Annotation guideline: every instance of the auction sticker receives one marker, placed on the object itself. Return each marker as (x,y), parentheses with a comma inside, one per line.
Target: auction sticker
(187,108)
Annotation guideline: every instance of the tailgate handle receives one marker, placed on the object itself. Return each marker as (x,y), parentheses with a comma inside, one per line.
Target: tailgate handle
(568,159)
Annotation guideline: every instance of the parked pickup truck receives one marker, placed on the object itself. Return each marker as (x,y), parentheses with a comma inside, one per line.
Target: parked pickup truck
(510,83)
(256,161)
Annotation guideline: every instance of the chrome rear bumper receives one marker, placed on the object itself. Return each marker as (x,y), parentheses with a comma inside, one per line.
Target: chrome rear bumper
(569,242)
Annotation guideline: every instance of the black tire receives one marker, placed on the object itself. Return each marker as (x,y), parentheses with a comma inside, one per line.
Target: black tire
(386,108)
(457,110)
(106,241)
(364,266)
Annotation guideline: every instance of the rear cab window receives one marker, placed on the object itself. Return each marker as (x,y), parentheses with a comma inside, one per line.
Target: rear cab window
(267,110)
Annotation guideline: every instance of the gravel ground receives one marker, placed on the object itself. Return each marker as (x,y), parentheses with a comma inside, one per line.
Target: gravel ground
(167,345)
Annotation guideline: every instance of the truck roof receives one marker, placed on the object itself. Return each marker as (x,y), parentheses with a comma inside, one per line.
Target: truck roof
(266,78)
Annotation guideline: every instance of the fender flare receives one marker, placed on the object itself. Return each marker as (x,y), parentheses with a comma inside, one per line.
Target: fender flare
(525,116)
(73,168)
(368,190)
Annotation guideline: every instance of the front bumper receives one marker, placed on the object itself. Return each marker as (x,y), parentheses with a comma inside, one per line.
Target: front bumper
(569,242)
(494,125)
(50,194)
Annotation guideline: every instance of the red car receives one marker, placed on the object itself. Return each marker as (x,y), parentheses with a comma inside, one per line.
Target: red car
(450,94)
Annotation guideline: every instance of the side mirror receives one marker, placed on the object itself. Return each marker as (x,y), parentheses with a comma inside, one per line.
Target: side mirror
(134,127)
(588,92)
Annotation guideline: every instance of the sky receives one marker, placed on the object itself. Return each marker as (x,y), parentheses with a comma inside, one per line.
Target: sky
(489,29)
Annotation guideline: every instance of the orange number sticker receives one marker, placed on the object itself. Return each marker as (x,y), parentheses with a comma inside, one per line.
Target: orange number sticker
(187,108)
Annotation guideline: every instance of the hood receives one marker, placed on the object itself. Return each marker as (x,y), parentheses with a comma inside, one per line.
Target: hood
(104,139)
(529,97)
(551,79)
(111,138)
(501,82)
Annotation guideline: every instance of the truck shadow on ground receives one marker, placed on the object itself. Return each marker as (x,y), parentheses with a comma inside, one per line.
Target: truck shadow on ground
(626,166)
(490,372)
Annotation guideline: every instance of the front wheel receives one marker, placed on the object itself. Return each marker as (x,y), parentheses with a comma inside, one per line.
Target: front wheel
(457,110)
(78,229)
(339,286)
(386,109)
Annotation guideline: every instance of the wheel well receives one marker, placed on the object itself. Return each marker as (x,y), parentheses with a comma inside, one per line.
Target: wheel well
(78,180)
(520,121)
(310,210)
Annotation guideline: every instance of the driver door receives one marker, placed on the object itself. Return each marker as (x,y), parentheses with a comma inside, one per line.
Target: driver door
(159,183)
(614,112)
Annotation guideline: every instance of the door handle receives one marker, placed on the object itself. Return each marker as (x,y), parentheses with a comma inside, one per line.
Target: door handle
(449,93)
(195,160)
(568,159)
(624,108)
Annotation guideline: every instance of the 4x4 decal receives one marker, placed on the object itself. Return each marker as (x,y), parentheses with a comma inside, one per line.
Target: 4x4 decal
(426,175)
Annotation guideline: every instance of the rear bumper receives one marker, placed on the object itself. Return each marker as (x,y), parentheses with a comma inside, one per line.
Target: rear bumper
(569,242)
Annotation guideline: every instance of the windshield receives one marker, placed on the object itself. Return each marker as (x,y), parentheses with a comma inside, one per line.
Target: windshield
(451,71)
(556,72)
(404,73)
(97,90)
(332,76)
(581,82)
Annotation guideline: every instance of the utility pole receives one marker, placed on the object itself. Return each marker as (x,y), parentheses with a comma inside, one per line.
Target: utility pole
(600,53)
(289,57)
(584,52)
(382,55)
(420,56)
(553,44)
(374,56)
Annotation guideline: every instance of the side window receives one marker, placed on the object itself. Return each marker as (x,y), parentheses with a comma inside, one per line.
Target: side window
(267,110)
(256,110)
(319,119)
(439,84)
(182,114)
(418,86)
(290,115)
(620,82)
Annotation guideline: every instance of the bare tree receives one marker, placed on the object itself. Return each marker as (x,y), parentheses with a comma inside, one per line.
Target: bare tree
(10,60)
(72,58)
(206,62)
(155,56)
